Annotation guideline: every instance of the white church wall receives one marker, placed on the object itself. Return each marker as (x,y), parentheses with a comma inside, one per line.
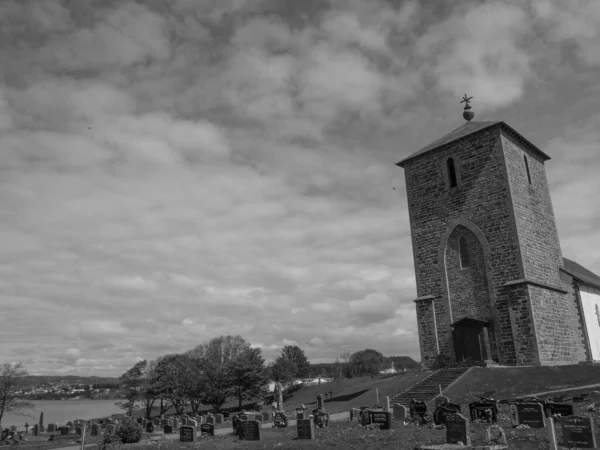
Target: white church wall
(591,311)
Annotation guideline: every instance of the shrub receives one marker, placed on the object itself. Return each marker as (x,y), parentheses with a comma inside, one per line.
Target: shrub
(129,432)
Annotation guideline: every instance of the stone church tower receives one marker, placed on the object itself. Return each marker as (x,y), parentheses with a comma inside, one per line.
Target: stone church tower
(491,284)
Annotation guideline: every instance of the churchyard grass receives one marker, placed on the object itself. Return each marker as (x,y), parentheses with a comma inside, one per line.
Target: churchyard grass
(346,435)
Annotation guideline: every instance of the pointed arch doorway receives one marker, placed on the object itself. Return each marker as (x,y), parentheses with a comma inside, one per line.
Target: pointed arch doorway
(471,340)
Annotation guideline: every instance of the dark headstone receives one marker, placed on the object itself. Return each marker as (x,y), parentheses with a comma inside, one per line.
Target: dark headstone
(249,430)
(382,418)
(562,409)
(51,428)
(94,429)
(365,416)
(78,431)
(36,429)
(168,429)
(457,430)
(219,418)
(187,433)
(306,429)
(578,431)
(321,419)
(280,420)
(266,416)
(441,400)
(531,414)
(443,411)
(207,428)
(64,431)
(486,411)
(149,427)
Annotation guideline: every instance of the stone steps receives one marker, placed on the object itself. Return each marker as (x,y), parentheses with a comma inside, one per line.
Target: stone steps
(429,387)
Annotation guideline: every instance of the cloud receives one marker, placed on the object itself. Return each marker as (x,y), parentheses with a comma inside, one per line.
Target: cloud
(172,172)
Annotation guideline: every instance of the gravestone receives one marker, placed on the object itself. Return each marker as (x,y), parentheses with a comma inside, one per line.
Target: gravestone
(321,419)
(208,429)
(167,429)
(192,423)
(219,418)
(441,400)
(306,429)
(457,430)
(561,409)
(418,411)
(210,420)
(280,420)
(94,429)
(578,399)
(400,412)
(386,406)
(249,430)
(531,414)
(51,428)
(187,433)
(64,431)
(365,417)
(149,427)
(578,431)
(36,429)
(78,431)
(495,435)
(486,411)
(156,422)
(514,415)
(266,416)
(443,411)
(381,418)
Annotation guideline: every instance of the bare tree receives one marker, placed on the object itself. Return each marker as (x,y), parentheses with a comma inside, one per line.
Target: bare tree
(9,402)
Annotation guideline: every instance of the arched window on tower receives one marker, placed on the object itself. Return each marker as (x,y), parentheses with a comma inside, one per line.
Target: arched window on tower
(451,172)
(527,168)
(463,251)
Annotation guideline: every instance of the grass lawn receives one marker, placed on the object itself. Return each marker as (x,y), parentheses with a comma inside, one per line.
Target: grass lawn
(346,435)
(507,383)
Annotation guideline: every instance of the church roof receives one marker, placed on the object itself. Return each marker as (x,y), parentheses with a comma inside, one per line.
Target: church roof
(584,275)
(463,131)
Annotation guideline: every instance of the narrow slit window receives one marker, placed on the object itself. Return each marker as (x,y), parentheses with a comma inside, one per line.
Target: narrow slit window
(451,172)
(527,169)
(463,250)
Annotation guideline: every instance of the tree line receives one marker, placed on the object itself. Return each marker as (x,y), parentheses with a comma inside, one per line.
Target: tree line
(224,368)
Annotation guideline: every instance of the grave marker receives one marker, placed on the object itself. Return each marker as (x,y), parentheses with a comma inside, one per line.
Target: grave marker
(443,411)
(457,430)
(219,418)
(149,427)
(514,415)
(487,411)
(36,429)
(531,414)
(250,430)
(187,433)
(562,409)
(168,429)
(386,406)
(382,418)
(305,428)
(64,431)
(495,435)
(400,412)
(578,431)
(51,428)
(266,416)
(280,420)
(208,429)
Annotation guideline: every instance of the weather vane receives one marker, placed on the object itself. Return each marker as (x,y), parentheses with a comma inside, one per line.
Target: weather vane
(468,115)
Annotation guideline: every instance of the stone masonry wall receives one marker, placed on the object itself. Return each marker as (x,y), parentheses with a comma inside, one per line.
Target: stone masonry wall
(482,198)
(468,287)
(426,323)
(538,235)
(525,344)
(558,325)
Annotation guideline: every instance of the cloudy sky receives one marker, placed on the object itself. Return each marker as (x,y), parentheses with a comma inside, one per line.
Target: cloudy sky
(175,170)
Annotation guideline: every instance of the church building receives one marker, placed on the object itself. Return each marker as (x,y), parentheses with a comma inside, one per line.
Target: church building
(492,285)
